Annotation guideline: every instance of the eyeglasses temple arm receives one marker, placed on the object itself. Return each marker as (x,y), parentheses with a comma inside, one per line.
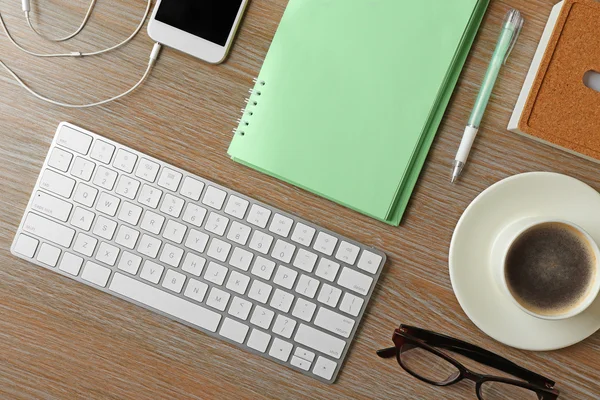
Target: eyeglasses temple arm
(387,353)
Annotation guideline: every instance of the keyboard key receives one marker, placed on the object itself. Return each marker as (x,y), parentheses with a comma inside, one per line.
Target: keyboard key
(149,246)
(102,151)
(57,184)
(165,302)
(234,330)
(324,368)
(218,249)
(150,196)
(239,233)
(259,340)
(83,169)
(283,251)
(261,242)
(325,243)
(216,224)
(300,363)
(48,255)
(304,310)
(74,140)
(260,291)
(281,349)
(151,271)
(197,241)
(82,219)
(130,213)
(192,188)
(334,322)
(329,295)
(85,195)
(105,228)
(281,225)
(108,204)
(236,207)
(60,159)
(48,230)
(129,263)
(51,206)
(171,255)
(263,268)
(125,161)
(173,281)
(147,170)
(174,231)
(355,281)
(351,304)
(241,259)
(282,301)
(193,264)
(71,264)
(369,262)
(320,341)
(127,187)
(327,269)
(85,245)
(127,237)
(262,317)
(196,290)
(172,205)
(194,214)
(237,282)
(305,260)
(215,273)
(240,308)
(26,245)
(347,253)
(169,179)
(95,274)
(285,277)
(307,286)
(218,299)
(259,216)
(214,197)
(152,222)
(107,254)
(105,178)
(284,326)
(304,354)
(303,234)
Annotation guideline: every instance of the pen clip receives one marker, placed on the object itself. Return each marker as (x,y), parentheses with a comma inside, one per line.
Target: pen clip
(515,18)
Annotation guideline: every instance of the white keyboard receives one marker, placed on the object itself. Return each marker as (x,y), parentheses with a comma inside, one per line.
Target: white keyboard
(237,269)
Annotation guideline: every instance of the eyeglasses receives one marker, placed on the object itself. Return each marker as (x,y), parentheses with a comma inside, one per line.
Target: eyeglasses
(417,352)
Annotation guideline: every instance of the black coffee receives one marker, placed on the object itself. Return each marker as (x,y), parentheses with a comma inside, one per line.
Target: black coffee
(550,268)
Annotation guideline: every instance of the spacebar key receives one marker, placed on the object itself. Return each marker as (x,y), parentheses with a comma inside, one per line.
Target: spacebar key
(165,302)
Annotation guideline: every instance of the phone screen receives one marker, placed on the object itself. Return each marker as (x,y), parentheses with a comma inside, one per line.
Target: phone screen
(211,20)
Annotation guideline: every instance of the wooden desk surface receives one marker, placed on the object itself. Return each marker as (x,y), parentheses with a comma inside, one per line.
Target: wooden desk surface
(63,340)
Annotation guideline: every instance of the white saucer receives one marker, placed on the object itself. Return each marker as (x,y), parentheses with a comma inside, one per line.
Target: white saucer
(536,194)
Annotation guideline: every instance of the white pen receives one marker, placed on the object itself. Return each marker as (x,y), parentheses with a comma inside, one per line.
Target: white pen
(513,23)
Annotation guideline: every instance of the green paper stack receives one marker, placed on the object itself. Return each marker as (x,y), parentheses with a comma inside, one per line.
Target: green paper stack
(351,95)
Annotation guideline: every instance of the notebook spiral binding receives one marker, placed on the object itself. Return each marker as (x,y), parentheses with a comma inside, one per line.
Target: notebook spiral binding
(247,112)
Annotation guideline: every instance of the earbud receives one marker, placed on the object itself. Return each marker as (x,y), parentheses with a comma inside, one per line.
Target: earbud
(25,4)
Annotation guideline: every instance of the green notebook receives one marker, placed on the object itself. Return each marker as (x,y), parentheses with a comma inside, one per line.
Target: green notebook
(351,94)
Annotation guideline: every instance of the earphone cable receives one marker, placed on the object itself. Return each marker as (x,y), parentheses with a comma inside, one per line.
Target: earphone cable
(72,35)
(153,57)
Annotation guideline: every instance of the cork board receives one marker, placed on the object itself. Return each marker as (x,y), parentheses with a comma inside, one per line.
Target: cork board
(560,109)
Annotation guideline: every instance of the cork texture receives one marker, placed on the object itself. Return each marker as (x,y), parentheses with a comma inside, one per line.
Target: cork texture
(560,109)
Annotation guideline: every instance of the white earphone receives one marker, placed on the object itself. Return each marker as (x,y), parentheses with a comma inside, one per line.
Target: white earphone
(26,8)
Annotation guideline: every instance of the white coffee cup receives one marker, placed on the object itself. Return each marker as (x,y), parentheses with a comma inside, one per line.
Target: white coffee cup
(507,238)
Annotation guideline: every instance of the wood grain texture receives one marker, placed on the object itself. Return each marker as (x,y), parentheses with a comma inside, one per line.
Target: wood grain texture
(62,340)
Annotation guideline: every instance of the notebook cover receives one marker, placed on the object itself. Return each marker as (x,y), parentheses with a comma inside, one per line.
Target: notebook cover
(349,99)
(560,109)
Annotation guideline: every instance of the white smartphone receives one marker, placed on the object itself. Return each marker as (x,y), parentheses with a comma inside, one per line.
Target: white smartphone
(202,28)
